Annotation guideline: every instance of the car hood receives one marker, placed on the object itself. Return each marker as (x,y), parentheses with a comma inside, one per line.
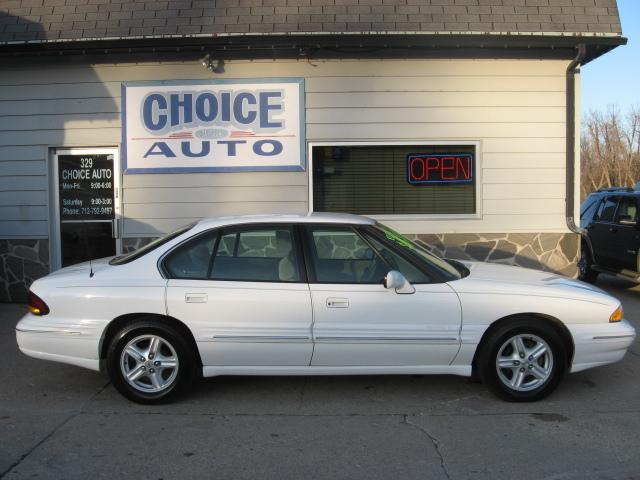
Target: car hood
(495,278)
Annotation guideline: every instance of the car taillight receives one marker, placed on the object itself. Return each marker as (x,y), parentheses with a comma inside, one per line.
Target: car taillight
(37,305)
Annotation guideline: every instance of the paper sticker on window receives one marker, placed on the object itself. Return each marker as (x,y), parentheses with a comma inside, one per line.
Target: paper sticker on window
(397,238)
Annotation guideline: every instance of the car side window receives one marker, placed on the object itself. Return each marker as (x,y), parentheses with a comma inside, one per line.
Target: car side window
(227,245)
(192,259)
(340,255)
(627,210)
(260,254)
(607,209)
(412,273)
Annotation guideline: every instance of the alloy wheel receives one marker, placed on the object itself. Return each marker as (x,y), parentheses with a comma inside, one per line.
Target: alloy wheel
(149,363)
(524,362)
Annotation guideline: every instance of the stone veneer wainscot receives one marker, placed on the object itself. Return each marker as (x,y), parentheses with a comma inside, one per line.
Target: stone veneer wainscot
(21,262)
(553,252)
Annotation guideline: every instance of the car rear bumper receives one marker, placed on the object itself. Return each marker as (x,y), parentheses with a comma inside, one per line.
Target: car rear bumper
(600,344)
(42,340)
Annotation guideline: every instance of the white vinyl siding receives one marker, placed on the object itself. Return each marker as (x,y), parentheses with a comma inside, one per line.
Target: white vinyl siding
(23,191)
(515,109)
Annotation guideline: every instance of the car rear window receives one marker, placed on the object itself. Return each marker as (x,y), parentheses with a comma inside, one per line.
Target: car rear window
(130,257)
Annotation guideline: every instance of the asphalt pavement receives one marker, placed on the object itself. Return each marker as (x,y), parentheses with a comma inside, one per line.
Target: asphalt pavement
(63,422)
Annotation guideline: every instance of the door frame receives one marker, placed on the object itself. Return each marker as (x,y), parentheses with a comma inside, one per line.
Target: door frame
(606,256)
(624,259)
(55,249)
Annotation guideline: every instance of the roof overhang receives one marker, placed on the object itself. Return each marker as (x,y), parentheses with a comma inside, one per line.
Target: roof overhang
(330,45)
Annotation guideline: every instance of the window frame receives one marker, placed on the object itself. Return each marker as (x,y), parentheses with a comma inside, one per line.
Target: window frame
(587,217)
(151,246)
(301,236)
(358,229)
(589,202)
(616,215)
(237,228)
(163,259)
(309,248)
(477,144)
(414,258)
(596,216)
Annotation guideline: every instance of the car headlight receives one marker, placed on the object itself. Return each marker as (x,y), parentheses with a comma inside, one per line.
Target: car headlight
(617,314)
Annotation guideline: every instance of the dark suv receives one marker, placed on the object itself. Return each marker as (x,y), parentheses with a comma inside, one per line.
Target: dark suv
(611,236)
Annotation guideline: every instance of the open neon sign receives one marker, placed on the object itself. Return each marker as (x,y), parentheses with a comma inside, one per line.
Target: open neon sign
(440,168)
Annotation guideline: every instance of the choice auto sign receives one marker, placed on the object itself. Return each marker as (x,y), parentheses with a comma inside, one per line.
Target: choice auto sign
(213,126)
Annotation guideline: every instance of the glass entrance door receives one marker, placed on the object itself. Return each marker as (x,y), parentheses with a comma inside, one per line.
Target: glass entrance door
(87,205)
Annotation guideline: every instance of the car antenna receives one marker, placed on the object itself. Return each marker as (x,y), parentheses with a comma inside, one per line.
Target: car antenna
(90,253)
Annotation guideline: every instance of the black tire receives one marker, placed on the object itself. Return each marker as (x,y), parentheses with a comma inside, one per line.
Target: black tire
(585,271)
(498,342)
(172,345)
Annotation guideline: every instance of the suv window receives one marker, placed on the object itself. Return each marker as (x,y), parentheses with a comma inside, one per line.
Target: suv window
(607,210)
(340,255)
(260,254)
(627,210)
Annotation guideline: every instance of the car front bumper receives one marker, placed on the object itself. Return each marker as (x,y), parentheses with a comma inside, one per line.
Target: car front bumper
(600,344)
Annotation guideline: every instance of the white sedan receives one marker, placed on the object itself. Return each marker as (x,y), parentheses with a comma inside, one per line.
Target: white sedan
(320,294)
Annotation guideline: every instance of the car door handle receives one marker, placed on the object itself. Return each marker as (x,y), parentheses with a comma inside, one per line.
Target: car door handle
(195,297)
(613,229)
(337,302)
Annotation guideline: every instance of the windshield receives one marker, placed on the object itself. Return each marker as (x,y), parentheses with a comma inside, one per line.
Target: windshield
(404,243)
(588,203)
(129,257)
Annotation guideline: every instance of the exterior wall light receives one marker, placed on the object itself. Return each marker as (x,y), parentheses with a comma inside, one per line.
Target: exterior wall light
(215,66)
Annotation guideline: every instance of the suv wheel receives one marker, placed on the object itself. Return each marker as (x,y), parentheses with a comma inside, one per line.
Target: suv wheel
(585,270)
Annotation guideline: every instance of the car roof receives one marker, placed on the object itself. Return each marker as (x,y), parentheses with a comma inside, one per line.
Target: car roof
(315,217)
(615,191)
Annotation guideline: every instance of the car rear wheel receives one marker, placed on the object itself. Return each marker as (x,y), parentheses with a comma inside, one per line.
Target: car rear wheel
(523,361)
(150,362)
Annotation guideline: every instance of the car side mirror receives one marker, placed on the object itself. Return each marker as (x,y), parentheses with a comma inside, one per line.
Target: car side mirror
(394,279)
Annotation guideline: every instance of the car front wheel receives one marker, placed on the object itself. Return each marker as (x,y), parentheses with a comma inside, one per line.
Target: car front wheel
(150,362)
(585,271)
(523,362)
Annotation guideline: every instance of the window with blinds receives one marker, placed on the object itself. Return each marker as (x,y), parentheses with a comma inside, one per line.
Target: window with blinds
(376,179)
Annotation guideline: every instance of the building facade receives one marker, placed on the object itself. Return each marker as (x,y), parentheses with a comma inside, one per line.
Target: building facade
(452,121)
